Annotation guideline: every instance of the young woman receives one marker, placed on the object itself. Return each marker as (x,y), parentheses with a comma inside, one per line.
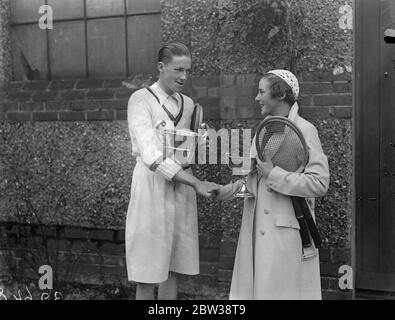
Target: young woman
(269,263)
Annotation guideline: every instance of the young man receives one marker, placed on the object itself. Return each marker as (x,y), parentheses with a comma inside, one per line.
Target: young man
(161,226)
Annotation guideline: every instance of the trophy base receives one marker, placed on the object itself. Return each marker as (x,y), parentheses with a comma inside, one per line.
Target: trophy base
(243,192)
(244,195)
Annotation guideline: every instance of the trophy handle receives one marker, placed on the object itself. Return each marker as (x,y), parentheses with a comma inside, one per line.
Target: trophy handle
(204,126)
(160,123)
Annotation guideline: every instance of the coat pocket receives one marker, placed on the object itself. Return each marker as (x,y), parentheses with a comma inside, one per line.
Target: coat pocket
(286,221)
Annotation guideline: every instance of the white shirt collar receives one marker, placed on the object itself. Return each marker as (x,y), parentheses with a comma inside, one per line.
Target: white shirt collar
(162,95)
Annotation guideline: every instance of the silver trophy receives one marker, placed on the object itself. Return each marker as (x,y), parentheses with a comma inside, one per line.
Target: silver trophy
(180,144)
(243,171)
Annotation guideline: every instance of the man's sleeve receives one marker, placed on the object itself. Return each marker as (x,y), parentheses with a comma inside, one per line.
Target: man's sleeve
(313,182)
(149,146)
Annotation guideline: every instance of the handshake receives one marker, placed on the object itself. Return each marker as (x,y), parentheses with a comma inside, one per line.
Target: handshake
(215,191)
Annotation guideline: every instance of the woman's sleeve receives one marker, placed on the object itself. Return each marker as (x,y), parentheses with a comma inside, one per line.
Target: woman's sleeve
(313,182)
(141,128)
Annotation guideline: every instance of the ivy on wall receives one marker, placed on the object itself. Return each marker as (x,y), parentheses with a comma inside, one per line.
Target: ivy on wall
(328,46)
(79,174)
(250,36)
(196,24)
(65,173)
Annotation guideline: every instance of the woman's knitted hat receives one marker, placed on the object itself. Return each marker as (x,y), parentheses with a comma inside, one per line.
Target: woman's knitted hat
(289,78)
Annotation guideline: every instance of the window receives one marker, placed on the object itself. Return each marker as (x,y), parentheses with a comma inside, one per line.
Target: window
(89,39)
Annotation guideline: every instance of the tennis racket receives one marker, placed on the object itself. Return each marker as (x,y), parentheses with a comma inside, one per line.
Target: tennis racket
(197,117)
(278,139)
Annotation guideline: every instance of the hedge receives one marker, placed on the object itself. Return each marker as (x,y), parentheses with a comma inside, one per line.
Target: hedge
(79,173)
(253,36)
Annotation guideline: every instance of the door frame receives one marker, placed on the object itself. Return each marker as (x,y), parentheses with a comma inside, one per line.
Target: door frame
(354,127)
(363,28)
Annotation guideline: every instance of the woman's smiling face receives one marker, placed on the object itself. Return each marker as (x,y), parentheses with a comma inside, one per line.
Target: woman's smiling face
(265,100)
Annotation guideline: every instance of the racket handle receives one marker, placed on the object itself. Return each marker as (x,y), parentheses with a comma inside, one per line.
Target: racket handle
(310,223)
(304,231)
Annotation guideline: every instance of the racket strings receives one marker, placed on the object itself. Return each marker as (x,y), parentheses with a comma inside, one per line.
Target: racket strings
(280,143)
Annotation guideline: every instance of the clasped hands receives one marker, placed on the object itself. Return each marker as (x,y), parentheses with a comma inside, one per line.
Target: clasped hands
(207,189)
(212,190)
(215,191)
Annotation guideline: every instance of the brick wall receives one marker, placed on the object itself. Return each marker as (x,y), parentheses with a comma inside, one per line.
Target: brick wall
(83,255)
(223,97)
(97,256)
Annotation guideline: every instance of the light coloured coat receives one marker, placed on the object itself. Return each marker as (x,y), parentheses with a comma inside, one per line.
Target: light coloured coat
(268,263)
(161,226)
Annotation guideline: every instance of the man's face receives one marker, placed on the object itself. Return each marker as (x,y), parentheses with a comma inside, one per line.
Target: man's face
(174,73)
(267,103)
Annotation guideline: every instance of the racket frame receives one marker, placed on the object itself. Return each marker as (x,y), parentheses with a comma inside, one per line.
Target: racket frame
(301,209)
(289,123)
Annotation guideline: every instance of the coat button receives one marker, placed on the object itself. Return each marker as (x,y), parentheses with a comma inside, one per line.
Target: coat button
(266,211)
(262,232)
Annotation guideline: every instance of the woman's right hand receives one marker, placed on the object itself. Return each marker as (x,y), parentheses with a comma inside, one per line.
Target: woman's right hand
(227,191)
(207,189)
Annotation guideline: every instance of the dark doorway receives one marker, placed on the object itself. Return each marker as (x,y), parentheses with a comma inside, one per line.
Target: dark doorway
(374,105)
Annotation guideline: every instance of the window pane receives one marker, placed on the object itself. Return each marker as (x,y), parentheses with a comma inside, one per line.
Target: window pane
(141,6)
(144,41)
(106,48)
(97,8)
(67,50)
(25,10)
(64,9)
(32,42)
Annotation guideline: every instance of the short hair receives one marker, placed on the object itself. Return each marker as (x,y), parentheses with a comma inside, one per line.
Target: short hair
(171,49)
(279,88)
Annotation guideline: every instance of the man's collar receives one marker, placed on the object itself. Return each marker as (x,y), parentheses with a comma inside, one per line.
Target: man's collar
(162,95)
